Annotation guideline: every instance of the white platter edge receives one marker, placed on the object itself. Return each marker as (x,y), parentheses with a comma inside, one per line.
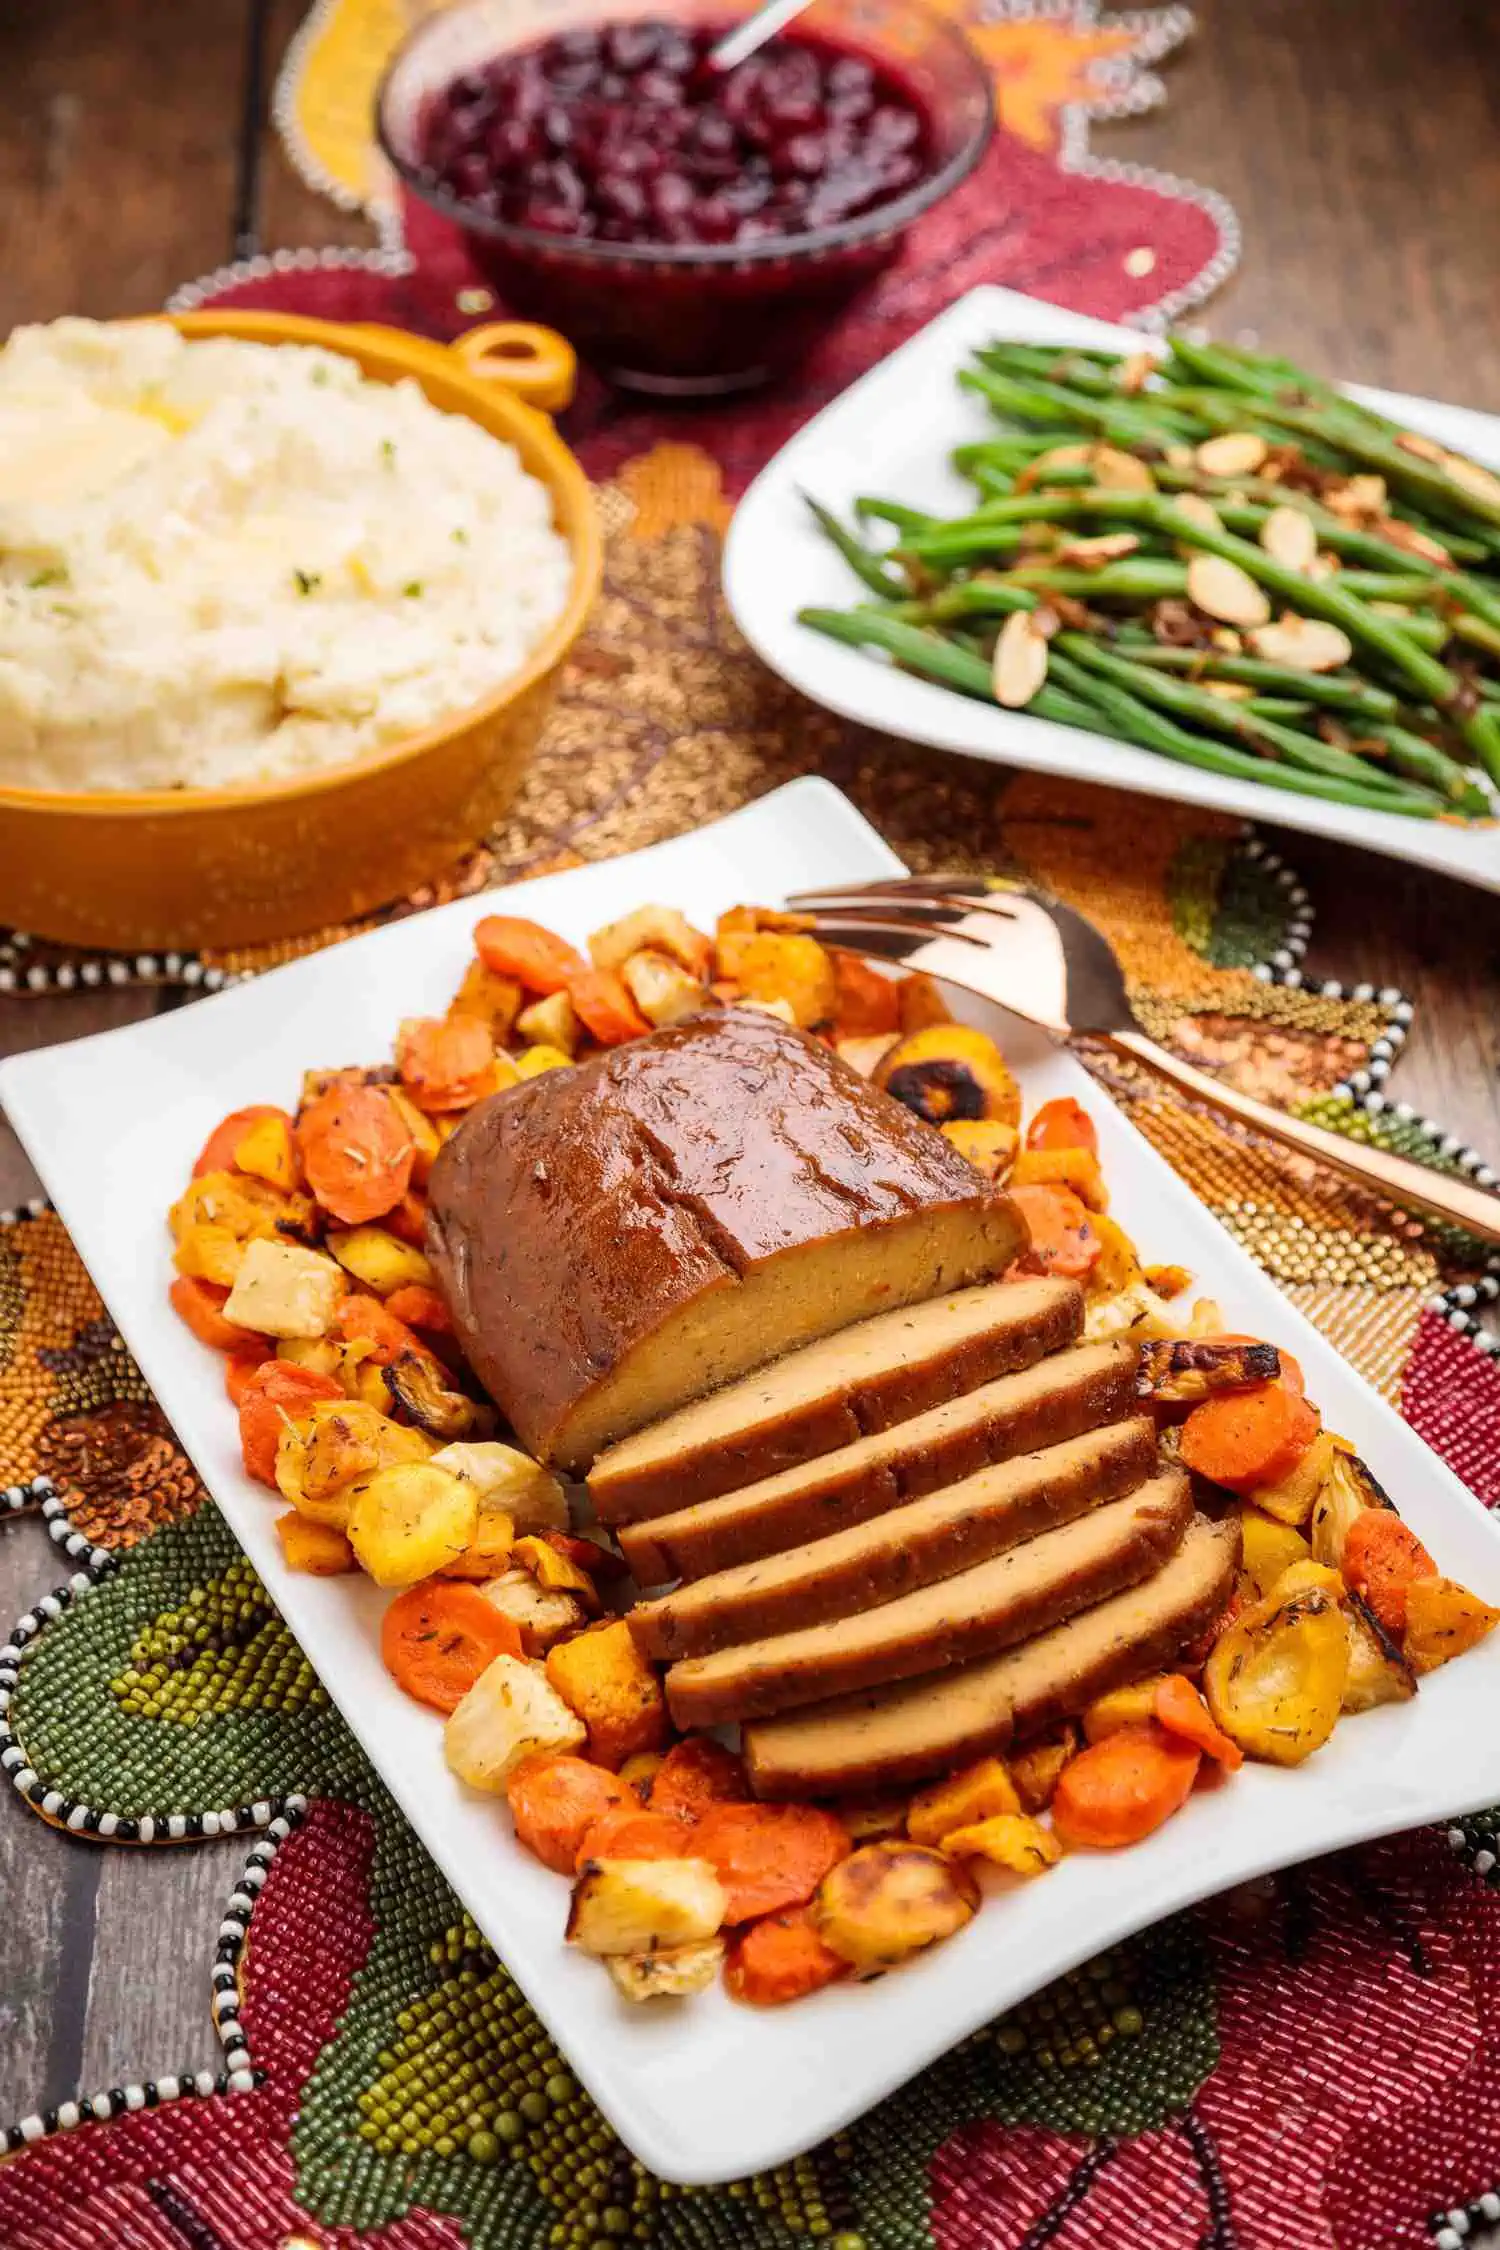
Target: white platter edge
(890,432)
(713,2092)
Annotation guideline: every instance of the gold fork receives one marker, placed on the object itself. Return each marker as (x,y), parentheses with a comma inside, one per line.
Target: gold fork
(1005,942)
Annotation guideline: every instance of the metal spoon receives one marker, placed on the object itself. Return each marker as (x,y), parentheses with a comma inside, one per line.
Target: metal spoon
(750,36)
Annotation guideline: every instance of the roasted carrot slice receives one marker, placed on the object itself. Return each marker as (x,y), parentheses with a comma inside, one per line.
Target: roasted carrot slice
(277,1390)
(867,1003)
(769,1856)
(217,1152)
(780,1958)
(587,1554)
(198,1303)
(416,1306)
(605,1008)
(537,958)
(635,1833)
(1182,1711)
(1250,1437)
(1381,1559)
(554,1801)
(1063,1240)
(446,1063)
(1121,1788)
(242,1364)
(357,1152)
(436,1639)
(367,1320)
(407,1220)
(696,1774)
(1063,1124)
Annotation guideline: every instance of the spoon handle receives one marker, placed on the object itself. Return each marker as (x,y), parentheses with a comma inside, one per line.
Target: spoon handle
(746,38)
(1395,1179)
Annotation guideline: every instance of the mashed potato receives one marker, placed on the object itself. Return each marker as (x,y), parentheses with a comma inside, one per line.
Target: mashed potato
(224,562)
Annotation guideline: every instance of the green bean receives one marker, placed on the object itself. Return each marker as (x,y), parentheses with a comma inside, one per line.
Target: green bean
(1338,690)
(866,566)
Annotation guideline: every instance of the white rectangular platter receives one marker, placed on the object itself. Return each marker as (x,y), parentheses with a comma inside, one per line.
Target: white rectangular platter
(892,433)
(708,2090)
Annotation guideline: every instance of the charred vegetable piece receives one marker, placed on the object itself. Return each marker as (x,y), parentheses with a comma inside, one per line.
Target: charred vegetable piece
(1179,1371)
(488,1552)
(1014,1841)
(1383,1559)
(555,1569)
(329,1446)
(1378,1671)
(634,1906)
(1117,1266)
(1275,1678)
(494,999)
(950,1071)
(989,1146)
(417,1388)
(1345,1490)
(671,1973)
(1442,1620)
(1295,1498)
(1075,1168)
(888,1901)
(1037,1769)
(653,929)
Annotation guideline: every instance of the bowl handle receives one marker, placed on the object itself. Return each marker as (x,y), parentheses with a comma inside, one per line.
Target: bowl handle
(536,363)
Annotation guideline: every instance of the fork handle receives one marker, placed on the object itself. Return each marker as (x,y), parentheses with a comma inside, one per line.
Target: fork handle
(1395,1178)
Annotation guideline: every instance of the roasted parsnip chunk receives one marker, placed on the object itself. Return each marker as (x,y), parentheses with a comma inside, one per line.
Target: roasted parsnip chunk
(633,1906)
(379,1260)
(283,1289)
(666,1976)
(504,1478)
(1182,1370)
(542,1618)
(509,1714)
(410,1521)
(887,1901)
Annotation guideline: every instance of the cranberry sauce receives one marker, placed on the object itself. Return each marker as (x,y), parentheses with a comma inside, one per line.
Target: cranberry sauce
(622,135)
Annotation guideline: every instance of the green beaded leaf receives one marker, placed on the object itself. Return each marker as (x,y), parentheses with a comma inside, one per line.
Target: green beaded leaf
(1224,904)
(222,1649)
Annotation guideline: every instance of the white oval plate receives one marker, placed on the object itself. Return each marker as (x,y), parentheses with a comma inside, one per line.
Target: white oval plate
(707,2090)
(892,433)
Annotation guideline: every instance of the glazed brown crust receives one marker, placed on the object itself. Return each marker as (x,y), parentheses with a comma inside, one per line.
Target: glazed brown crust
(1009,1599)
(936,1538)
(575,1215)
(1059,1398)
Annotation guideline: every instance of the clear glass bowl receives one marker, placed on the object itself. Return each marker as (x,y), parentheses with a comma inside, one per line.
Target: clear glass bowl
(698,320)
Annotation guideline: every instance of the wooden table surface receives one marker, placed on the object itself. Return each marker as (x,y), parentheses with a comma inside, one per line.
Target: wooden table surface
(1361,147)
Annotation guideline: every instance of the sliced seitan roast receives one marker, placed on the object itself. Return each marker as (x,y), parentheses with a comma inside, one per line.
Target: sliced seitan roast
(895,1553)
(900,1735)
(852,1385)
(1059,1398)
(618,1238)
(1011,1598)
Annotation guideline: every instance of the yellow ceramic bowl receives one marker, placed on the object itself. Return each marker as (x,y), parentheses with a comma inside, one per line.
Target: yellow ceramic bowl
(276,859)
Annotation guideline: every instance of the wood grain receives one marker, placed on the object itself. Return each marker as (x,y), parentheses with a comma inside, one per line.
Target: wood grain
(1361,146)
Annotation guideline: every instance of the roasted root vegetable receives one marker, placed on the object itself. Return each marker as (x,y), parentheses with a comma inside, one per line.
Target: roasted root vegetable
(792,969)
(603,1005)
(495,1000)
(509,1714)
(1297,1497)
(283,1289)
(977,1792)
(1275,1677)
(446,1063)
(671,1974)
(696,1774)
(223,1211)
(542,1618)
(273,1392)
(867,1054)
(780,1958)
(652,929)
(634,1906)
(505,1478)
(1442,1620)
(602,1675)
(409,1522)
(1248,1438)
(512,947)
(639,1771)
(553,1567)
(357,1152)
(417,1306)
(1183,1370)
(1013,1841)
(1061,1237)
(989,1146)
(1268,1548)
(326,1447)
(489,1551)
(1382,1560)
(888,1901)
(416,1384)
(554,1801)
(1075,1168)
(769,1856)
(1117,1266)
(316,1548)
(1063,1123)
(1129,1706)
(379,1260)
(267,1150)
(866,1004)
(1378,1670)
(1037,1769)
(950,1070)
(1122,1788)
(662,989)
(634,1832)
(437,1638)
(218,1152)
(532,1061)
(201,1306)
(552,1022)
(1182,1711)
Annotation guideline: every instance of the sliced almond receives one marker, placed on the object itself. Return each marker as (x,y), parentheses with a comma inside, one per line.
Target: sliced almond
(1120,472)
(1226,638)
(1088,554)
(1061,457)
(1323,566)
(1291,537)
(1425,448)
(1304,644)
(1356,499)
(1221,589)
(1198,510)
(1132,372)
(1396,532)
(1179,456)
(1020,661)
(1229,691)
(1483,483)
(1238,453)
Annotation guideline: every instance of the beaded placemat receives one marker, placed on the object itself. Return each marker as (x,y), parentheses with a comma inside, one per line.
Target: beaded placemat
(1307,2061)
